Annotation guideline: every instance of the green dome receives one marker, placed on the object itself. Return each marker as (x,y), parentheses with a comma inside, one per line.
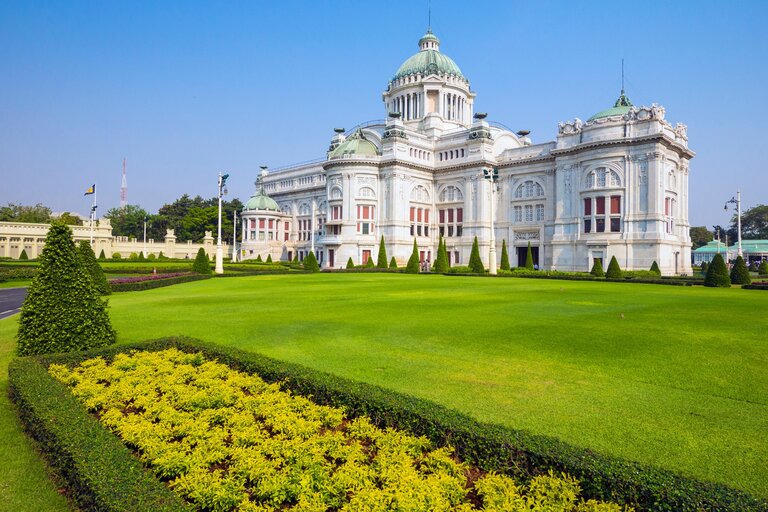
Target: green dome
(621,107)
(356,144)
(429,60)
(261,201)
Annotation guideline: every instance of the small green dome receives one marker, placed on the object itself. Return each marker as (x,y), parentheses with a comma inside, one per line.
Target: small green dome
(356,144)
(621,107)
(261,201)
(429,60)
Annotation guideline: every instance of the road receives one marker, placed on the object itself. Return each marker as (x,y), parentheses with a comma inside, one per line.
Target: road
(11,300)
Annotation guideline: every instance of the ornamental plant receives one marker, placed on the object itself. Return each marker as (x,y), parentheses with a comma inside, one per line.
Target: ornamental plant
(201,264)
(103,256)
(717,274)
(614,271)
(23,255)
(116,256)
(350,263)
(369,263)
(475,263)
(269,258)
(504,256)
(382,261)
(141,256)
(310,263)
(441,262)
(740,272)
(63,311)
(529,258)
(413,262)
(655,268)
(763,268)
(258,259)
(94,269)
(704,267)
(597,268)
(392,262)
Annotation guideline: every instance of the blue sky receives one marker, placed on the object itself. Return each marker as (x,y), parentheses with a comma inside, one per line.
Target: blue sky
(186,89)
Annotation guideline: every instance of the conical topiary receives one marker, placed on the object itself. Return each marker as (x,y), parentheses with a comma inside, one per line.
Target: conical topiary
(141,256)
(382,260)
(529,258)
(310,263)
(614,271)
(597,268)
(740,272)
(90,264)
(393,263)
(23,255)
(475,263)
(62,311)
(441,262)
(258,259)
(103,256)
(717,274)
(350,263)
(369,263)
(269,258)
(763,268)
(413,261)
(447,256)
(201,264)
(655,268)
(504,256)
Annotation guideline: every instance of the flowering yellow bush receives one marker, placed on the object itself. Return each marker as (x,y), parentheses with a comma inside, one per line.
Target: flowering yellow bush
(226,440)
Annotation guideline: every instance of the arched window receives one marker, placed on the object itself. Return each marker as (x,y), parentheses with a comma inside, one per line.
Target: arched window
(336,193)
(367,192)
(420,194)
(529,189)
(450,194)
(602,178)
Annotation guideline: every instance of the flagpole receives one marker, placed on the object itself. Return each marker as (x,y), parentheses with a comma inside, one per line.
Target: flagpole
(93,211)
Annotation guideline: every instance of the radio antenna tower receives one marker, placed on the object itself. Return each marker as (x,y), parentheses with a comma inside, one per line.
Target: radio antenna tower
(124,189)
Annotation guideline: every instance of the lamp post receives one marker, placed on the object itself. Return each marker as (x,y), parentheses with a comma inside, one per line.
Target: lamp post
(144,251)
(492,175)
(737,201)
(234,236)
(219,251)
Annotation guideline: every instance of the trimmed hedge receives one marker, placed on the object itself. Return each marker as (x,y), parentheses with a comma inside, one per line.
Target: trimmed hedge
(158,282)
(755,286)
(101,472)
(490,447)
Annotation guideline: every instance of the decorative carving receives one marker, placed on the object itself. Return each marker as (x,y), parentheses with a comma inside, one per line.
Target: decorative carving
(570,127)
(526,235)
(681,131)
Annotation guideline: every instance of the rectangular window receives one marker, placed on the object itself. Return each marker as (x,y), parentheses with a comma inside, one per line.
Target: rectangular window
(456,257)
(528,213)
(412,229)
(588,206)
(336,212)
(459,214)
(600,225)
(442,231)
(615,204)
(261,223)
(366,212)
(418,214)
(442,216)
(587,225)
(413,214)
(458,230)
(518,214)
(271,224)
(450,215)
(600,205)
(418,230)
(450,229)
(615,224)
(286,237)
(365,228)
(426,216)
(539,212)
(366,256)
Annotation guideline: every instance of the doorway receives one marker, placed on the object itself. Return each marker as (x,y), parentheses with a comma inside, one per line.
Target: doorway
(522,252)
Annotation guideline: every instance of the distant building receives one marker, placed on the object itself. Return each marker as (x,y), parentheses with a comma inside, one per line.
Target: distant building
(614,185)
(753,251)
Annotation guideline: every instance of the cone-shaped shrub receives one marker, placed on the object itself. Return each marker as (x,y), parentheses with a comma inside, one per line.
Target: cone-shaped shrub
(704,267)
(763,268)
(740,272)
(655,268)
(258,259)
(23,255)
(441,262)
(201,264)
(350,263)
(752,266)
(504,256)
(90,264)
(159,256)
(475,263)
(141,256)
(392,263)
(413,261)
(447,256)
(381,262)
(529,258)
(717,274)
(103,256)
(269,258)
(62,311)
(310,263)
(597,268)
(614,271)
(369,263)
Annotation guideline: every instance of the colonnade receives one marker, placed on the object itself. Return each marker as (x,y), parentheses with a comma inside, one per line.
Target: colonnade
(411,105)
(452,107)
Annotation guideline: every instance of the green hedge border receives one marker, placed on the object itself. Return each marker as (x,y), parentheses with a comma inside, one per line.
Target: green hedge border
(150,284)
(490,447)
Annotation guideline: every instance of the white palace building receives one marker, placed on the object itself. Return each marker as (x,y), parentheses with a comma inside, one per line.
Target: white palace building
(614,185)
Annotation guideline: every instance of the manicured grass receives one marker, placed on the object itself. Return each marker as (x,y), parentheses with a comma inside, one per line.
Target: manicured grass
(672,376)
(16,283)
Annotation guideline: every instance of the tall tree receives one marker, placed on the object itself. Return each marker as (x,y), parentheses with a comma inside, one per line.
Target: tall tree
(128,221)
(62,310)
(69,219)
(740,272)
(700,236)
(38,213)
(754,224)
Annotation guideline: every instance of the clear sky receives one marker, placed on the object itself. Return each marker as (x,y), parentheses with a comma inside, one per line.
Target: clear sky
(185,89)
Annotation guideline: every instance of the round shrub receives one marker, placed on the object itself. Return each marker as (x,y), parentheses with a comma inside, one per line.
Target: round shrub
(116,256)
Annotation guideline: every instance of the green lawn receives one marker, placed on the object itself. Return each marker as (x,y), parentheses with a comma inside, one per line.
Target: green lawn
(672,376)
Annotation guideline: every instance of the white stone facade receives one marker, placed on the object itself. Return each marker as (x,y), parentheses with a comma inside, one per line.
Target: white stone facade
(616,185)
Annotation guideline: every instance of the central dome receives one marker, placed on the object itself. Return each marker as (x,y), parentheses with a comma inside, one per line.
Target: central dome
(429,60)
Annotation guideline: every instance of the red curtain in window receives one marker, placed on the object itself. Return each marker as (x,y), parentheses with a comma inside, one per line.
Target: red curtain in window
(442,216)
(588,206)
(615,204)
(600,205)
(459,214)
(413,213)
(426,216)
(450,215)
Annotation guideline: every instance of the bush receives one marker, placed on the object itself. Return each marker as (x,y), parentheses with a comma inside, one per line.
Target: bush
(369,263)
(655,268)
(258,259)
(717,274)
(504,256)
(201,265)
(490,447)
(155,281)
(704,267)
(740,272)
(310,263)
(63,311)
(94,269)
(350,263)
(161,257)
(529,258)
(597,268)
(392,263)
(441,262)
(475,262)
(753,266)
(151,256)
(413,261)
(23,255)
(382,260)
(269,258)
(763,268)
(103,256)
(141,256)
(460,269)
(133,256)
(116,256)
(614,271)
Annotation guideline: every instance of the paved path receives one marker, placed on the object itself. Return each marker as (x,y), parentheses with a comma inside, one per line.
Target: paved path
(11,300)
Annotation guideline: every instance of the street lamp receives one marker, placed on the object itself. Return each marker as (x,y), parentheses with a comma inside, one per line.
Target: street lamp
(492,175)
(234,236)
(737,201)
(219,250)
(144,251)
